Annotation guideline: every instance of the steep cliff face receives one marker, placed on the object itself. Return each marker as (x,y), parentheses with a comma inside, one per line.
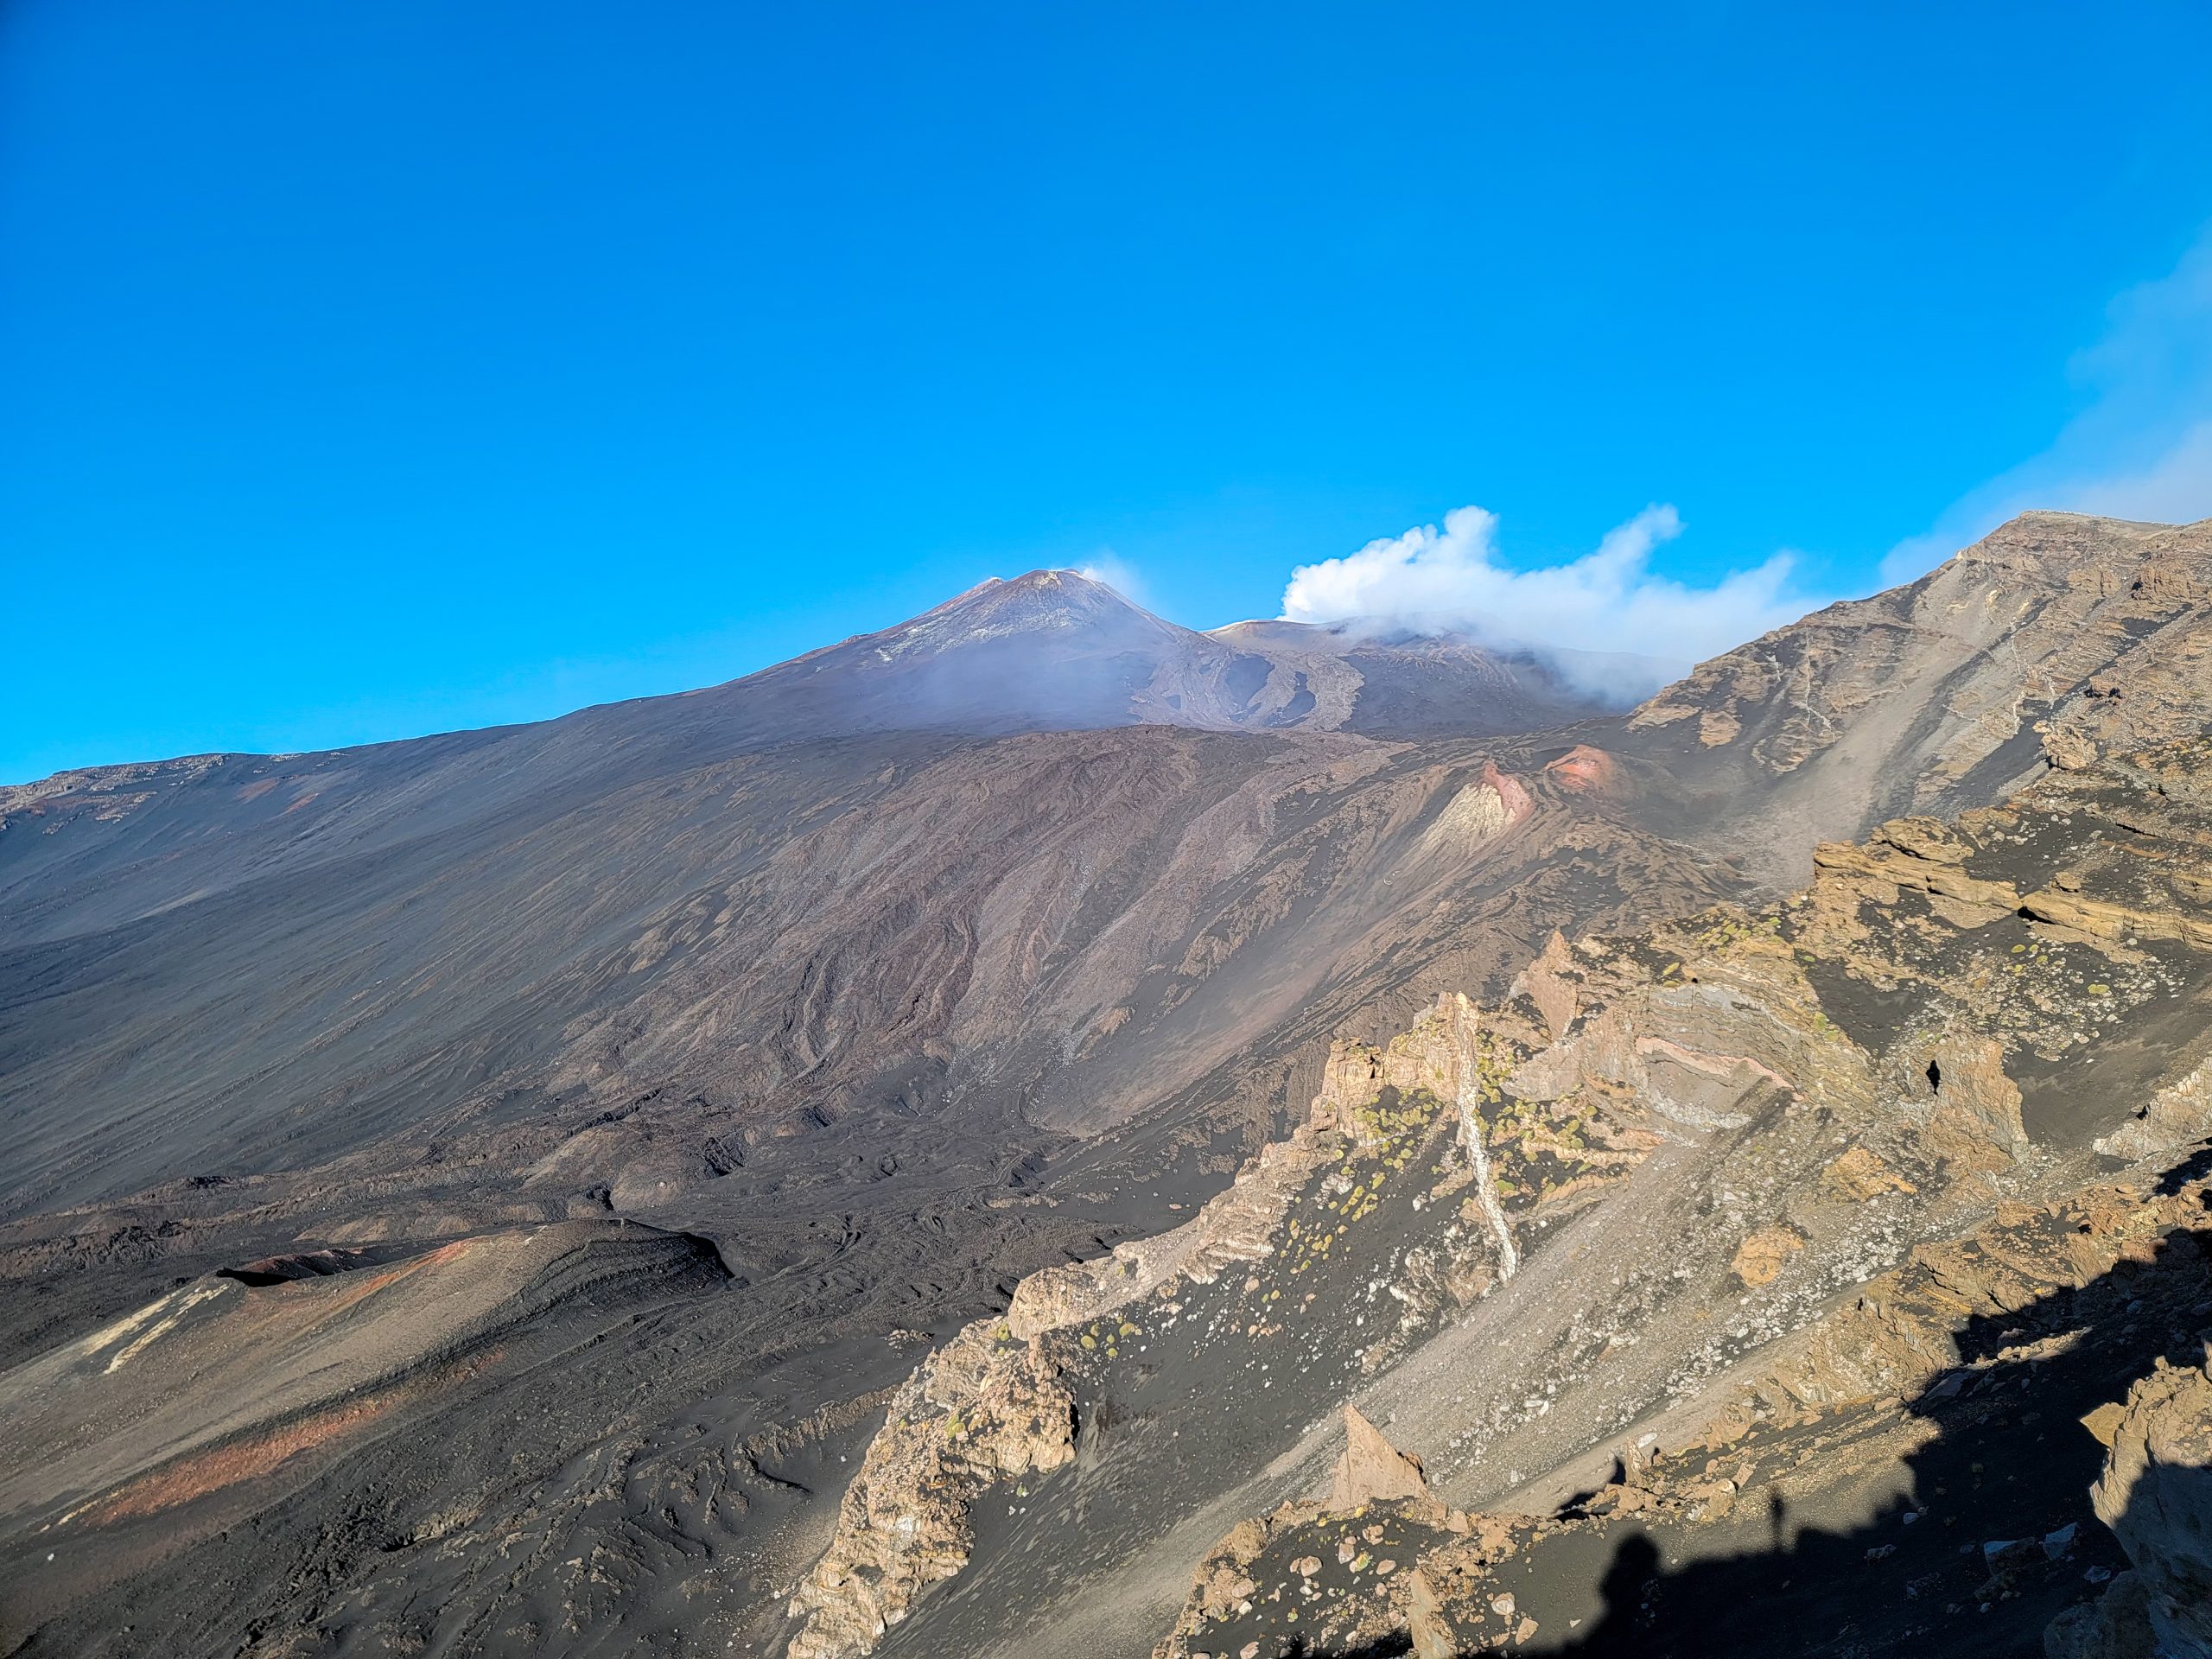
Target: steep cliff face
(1879,1480)
(2156,1495)
(2054,639)
(1740,1118)
(1935,1004)
(1134,1337)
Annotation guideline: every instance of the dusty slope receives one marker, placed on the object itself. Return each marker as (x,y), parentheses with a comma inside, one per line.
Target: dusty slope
(134,1441)
(894,1016)
(235,955)
(1050,651)
(1944,1488)
(2054,638)
(1015,940)
(1725,1124)
(823,999)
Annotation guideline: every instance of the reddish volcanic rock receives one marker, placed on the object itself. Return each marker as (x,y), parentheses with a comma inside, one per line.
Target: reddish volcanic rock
(1583,768)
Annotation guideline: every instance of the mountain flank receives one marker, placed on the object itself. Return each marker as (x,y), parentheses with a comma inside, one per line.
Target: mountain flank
(1773,1185)
(915,1150)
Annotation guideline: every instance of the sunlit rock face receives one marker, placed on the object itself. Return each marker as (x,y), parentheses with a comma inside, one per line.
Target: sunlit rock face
(1817,1098)
(2054,639)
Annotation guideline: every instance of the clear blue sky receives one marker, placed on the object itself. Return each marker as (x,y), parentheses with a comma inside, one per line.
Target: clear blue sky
(374,368)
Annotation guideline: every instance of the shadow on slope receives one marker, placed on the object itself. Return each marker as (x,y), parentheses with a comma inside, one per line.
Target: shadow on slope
(1987,1537)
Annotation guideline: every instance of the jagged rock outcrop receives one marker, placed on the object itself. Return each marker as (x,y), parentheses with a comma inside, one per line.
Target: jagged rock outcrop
(1372,1470)
(1900,1333)
(1909,1361)
(982,1410)
(1003,1400)
(1910,1052)
(2055,640)
(993,1404)
(2174,1116)
(2156,1496)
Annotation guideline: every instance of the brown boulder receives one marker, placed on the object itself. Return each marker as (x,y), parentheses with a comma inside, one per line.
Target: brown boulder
(1371,1469)
(2156,1495)
(1762,1255)
(1426,1622)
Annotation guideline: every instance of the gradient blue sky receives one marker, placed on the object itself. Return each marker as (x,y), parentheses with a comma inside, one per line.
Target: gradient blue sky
(369,369)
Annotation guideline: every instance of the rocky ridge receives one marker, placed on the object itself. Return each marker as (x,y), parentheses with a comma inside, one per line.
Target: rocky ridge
(1915,1382)
(994,1406)
(1798,1099)
(2054,639)
(2156,1495)
(1987,949)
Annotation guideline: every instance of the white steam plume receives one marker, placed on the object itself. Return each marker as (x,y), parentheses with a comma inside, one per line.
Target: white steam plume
(1609,601)
(1108,567)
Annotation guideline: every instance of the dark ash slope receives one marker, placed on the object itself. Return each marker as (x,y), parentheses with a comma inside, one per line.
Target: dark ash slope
(897,971)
